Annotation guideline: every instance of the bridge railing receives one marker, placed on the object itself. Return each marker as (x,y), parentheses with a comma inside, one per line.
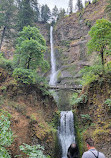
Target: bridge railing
(76,87)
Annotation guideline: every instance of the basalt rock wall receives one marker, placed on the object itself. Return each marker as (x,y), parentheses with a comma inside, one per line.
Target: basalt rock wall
(70,39)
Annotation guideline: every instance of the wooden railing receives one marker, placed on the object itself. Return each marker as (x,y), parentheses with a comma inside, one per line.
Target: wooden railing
(67,87)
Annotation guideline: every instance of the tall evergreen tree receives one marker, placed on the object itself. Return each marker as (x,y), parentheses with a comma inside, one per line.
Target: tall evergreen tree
(25,14)
(79,5)
(61,13)
(36,9)
(45,13)
(55,13)
(6,18)
(70,6)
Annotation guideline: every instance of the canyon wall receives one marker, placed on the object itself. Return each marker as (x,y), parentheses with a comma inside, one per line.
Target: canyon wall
(70,39)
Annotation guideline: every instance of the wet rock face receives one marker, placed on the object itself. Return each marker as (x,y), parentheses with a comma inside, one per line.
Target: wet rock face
(71,37)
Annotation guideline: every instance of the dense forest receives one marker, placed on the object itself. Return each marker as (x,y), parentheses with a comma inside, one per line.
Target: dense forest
(28,112)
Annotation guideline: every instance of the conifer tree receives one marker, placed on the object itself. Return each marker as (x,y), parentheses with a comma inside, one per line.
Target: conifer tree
(6,18)
(61,13)
(45,13)
(25,14)
(36,10)
(55,13)
(70,6)
(79,5)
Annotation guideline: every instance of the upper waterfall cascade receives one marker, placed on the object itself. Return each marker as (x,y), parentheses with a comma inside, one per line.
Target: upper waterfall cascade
(66,131)
(53,75)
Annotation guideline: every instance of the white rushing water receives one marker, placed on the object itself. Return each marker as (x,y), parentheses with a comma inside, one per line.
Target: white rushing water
(53,75)
(66,131)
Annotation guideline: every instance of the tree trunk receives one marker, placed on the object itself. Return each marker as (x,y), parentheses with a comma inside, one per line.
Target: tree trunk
(102,59)
(2,38)
(28,63)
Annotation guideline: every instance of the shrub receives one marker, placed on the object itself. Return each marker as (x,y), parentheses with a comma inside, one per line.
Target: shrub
(90,73)
(35,151)
(94,1)
(108,103)
(23,75)
(85,118)
(81,100)
(88,23)
(6,135)
(6,63)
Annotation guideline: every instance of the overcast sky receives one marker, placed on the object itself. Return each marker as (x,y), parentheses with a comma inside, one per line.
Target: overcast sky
(58,3)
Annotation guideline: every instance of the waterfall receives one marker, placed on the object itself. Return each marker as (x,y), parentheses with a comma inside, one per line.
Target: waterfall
(66,131)
(53,75)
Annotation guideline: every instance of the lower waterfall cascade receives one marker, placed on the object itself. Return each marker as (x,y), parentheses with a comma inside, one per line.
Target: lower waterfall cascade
(66,131)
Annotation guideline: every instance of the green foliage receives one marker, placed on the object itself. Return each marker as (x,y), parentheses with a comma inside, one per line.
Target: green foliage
(27,76)
(90,73)
(55,13)
(100,38)
(23,75)
(108,9)
(88,23)
(73,98)
(45,13)
(25,14)
(70,6)
(108,102)
(78,100)
(61,14)
(6,135)
(30,49)
(79,5)
(6,63)
(85,116)
(35,151)
(94,1)
(7,9)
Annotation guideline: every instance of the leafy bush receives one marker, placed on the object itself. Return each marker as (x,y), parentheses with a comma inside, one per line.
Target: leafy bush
(90,73)
(108,103)
(35,151)
(23,75)
(28,76)
(88,23)
(85,116)
(81,100)
(6,63)
(6,135)
(94,1)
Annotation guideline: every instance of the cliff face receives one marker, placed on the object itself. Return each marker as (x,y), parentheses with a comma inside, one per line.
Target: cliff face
(94,116)
(70,39)
(32,111)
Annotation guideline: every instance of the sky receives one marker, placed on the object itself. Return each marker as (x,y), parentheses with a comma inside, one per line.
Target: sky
(58,3)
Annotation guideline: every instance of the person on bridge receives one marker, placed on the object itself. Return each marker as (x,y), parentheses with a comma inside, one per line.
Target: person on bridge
(73,151)
(92,152)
